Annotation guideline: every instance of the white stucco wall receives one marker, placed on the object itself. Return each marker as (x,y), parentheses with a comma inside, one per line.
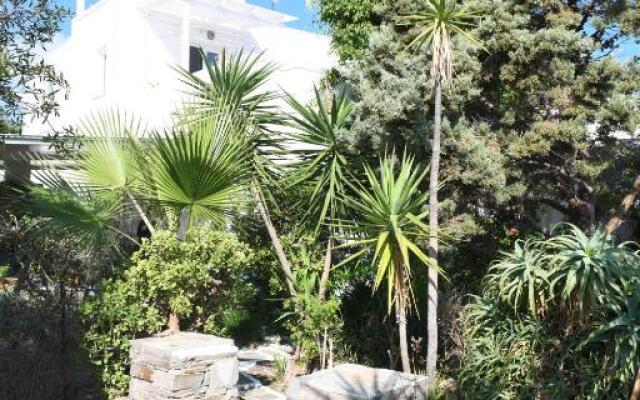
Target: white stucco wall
(143,39)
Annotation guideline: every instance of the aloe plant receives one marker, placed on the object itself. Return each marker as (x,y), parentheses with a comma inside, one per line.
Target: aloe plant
(521,277)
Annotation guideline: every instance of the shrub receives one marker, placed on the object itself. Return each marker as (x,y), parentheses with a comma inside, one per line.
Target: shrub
(521,340)
(206,279)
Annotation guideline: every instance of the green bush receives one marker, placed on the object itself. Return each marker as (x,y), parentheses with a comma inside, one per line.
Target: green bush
(557,320)
(206,280)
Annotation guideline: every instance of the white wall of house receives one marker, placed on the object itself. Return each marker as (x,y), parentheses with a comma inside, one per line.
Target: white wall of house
(120,53)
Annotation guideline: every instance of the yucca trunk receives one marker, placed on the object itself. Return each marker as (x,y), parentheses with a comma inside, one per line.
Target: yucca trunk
(275,240)
(401,317)
(326,270)
(432,289)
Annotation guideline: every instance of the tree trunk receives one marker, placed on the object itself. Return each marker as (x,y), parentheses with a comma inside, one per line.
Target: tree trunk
(275,240)
(141,213)
(635,391)
(432,289)
(401,318)
(173,321)
(185,221)
(326,270)
(627,202)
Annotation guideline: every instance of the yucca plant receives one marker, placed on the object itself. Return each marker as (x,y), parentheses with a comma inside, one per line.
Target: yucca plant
(589,270)
(390,225)
(437,22)
(522,278)
(237,84)
(322,161)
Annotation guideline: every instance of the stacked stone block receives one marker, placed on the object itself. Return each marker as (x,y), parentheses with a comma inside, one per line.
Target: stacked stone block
(185,366)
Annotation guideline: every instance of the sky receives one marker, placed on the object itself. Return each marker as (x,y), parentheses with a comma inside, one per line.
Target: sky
(307,17)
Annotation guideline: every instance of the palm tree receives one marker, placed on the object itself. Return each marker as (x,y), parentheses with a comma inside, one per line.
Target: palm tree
(322,162)
(237,82)
(201,173)
(438,21)
(389,225)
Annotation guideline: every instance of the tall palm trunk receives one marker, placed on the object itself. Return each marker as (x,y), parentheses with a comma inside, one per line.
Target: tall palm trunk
(275,240)
(432,289)
(401,317)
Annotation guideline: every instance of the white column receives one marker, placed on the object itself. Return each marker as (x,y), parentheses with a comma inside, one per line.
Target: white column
(185,42)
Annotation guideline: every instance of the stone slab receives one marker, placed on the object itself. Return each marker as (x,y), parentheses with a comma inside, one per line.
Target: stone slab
(181,350)
(357,382)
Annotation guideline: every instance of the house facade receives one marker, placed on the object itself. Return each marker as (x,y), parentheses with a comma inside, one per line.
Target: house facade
(122,53)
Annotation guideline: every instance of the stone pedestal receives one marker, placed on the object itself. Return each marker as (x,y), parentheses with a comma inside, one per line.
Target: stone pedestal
(357,382)
(185,366)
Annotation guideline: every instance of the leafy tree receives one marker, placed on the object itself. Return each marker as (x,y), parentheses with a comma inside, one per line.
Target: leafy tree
(208,280)
(389,223)
(28,85)
(350,23)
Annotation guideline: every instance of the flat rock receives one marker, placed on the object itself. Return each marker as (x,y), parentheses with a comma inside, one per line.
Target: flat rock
(181,350)
(263,393)
(357,382)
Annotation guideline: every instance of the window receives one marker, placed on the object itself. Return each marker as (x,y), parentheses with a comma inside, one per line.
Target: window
(195,61)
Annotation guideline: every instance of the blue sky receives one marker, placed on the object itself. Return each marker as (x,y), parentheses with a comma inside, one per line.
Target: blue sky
(306,20)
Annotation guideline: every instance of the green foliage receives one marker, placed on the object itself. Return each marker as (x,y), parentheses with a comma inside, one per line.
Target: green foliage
(546,352)
(521,277)
(621,336)
(322,156)
(308,318)
(205,279)
(590,271)
(390,220)
(350,23)
(27,28)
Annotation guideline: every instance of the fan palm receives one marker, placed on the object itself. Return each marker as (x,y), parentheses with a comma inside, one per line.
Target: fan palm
(521,275)
(237,83)
(202,172)
(438,21)
(389,225)
(322,160)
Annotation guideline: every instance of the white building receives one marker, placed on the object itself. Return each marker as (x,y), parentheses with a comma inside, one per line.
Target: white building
(120,53)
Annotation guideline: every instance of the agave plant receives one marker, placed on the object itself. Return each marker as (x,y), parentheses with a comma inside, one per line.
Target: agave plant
(590,270)
(521,277)
(390,225)
(322,160)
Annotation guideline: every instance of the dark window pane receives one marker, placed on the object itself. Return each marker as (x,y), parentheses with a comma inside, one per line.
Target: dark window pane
(195,61)
(212,57)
